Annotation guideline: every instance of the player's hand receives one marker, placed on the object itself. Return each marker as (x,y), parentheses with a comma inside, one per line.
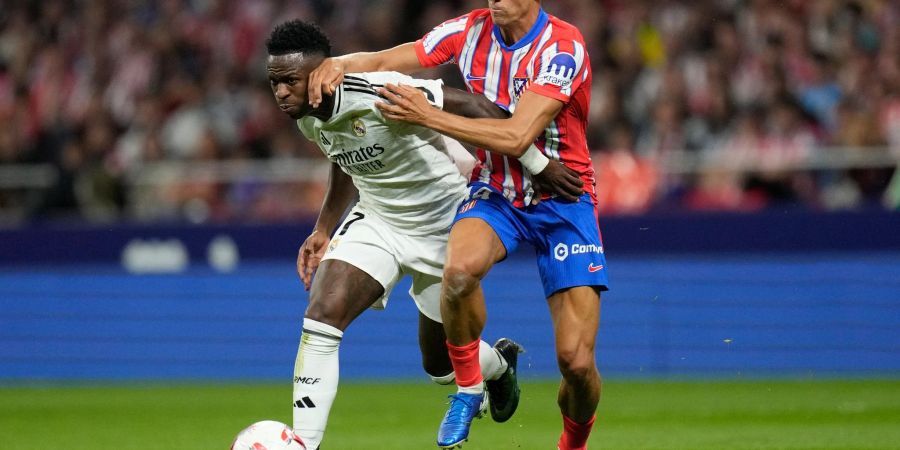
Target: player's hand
(560,180)
(324,80)
(310,255)
(407,104)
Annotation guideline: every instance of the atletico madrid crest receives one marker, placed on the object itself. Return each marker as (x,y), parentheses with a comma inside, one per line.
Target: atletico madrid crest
(519,85)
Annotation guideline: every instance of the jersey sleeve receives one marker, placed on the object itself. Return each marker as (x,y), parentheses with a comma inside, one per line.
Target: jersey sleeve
(433,89)
(561,69)
(442,44)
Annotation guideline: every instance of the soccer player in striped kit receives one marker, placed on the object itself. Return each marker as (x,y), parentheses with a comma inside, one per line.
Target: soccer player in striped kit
(535,66)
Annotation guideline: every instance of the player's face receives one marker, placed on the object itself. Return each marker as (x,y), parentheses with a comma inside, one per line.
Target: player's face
(288,75)
(505,12)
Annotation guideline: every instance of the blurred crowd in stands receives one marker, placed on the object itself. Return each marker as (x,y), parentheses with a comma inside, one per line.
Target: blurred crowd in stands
(746,90)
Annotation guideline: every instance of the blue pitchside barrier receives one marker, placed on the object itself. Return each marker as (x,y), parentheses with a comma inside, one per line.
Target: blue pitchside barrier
(699,296)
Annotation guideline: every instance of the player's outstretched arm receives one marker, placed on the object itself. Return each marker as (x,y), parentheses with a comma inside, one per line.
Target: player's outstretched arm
(325,78)
(510,136)
(340,193)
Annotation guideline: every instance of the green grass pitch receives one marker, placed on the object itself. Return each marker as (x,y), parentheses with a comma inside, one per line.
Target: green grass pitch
(860,414)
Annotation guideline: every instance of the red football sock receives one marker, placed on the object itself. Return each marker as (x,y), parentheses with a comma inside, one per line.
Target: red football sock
(575,435)
(465,363)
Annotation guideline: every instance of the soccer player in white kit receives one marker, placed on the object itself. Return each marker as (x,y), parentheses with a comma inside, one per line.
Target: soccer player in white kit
(409,189)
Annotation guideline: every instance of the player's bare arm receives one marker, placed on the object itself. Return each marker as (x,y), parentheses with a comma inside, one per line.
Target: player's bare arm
(409,105)
(340,193)
(330,73)
(510,136)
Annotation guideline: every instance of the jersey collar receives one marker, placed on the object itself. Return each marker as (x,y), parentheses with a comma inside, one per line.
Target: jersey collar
(528,38)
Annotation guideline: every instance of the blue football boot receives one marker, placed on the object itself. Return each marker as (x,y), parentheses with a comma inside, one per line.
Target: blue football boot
(454,428)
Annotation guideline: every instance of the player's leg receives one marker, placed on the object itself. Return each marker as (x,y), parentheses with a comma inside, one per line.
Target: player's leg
(573,272)
(576,317)
(358,269)
(472,250)
(340,292)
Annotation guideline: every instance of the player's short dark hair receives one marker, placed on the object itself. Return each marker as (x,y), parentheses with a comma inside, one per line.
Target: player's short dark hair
(297,36)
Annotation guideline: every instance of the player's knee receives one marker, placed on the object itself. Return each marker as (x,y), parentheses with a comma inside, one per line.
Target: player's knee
(458,283)
(327,311)
(576,363)
(471,264)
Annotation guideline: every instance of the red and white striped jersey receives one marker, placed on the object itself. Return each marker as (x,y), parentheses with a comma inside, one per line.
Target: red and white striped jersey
(551,60)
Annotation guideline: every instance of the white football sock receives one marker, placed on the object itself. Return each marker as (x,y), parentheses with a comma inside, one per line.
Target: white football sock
(477,389)
(315,380)
(492,364)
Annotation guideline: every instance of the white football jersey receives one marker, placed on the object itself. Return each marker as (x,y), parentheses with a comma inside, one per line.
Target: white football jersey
(402,171)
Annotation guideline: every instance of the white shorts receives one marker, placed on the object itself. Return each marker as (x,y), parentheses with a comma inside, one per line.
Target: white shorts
(387,254)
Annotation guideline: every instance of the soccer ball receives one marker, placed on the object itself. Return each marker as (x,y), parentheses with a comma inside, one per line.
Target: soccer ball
(267,435)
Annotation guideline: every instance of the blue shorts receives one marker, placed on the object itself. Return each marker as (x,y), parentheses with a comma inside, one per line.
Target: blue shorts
(565,236)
